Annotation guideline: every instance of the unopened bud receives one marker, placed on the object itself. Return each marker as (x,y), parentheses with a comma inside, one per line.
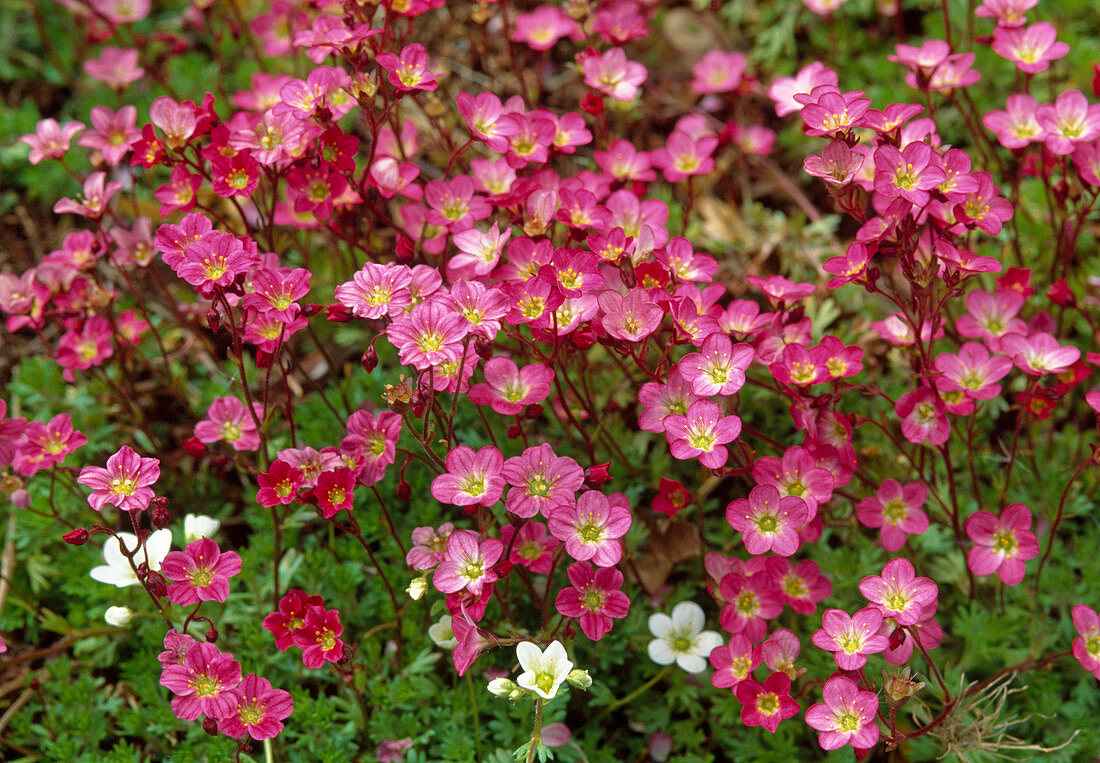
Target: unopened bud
(212,634)
(514,432)
(159,513)
(897,637)
(76,537)
(337,313)
(899,686)
(156,584)
(119,617)
(484,348)
(369,361)
(597,474)
(502,687)
(417,588)
(213,320)
(194,447)
(579,678)
(404,491)
(210,726)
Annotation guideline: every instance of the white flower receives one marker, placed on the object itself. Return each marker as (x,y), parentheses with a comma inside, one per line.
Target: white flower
(417,588)
(681,638)
(443,634)
(545,671)
(119,617)
(117,571)
(198,526)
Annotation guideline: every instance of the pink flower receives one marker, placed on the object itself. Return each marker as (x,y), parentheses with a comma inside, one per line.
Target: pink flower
(896,510)
(923,417)
(91,346)
(684,156)
(178,194)
(454,205)
(1009,13)
(50,140)
(1031,48)
(376,290)
(990,317)
(719,366)
(611,74)
(973,370)
(659,401)
(378,436)
(630,317)
(260,710)
(200,572)
(124,483)
(544,26)
(1016,126)
(393,750)
(928,634)
(850,638)
(1039,353)
(335,491)
(409,70)
(1002,544)
(837,164)
(1086,647)
(176,645)
(591,529)
(215,262)
(205,683)
(429,335)
(781,650)
(1069,121)
(482,114)
(276,292)
(847,716)
(796,474)
(227,419)
(718,71)
(319,637)
(468,564)
(429,546)
(828,112)
(702,432)
(44,445)
(290,616)
(984,208)
(113,134)
(115,67)
(472,478)
(509,390)
(751,601)
(594,598)
(800,585)
(898,592)
(531,547)
(767,521)
(734,663)
(93,202)
(542,481)
(910,173)
(768,704)
(784,89)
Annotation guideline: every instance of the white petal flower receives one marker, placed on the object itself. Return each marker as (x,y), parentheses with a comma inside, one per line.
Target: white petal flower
(442,633)
(198,526)
(119,617)
(681,638)
(117,571)
(545,671)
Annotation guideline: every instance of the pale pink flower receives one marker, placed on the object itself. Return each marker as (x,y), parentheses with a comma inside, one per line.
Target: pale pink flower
(227,419)
(898,592)
(896,509)
(1030,48)
(115,67)
(702,433)
(1069,121)
(591,528)
(719,366)
(1039,353)
(468,564)
(1002,544)
(472,477)
(50,140)
(784,89)
(204,684)
(718,71)
(767,521)
(125,482)
(847,716)
(1016,126)
(541,481)
(613,75)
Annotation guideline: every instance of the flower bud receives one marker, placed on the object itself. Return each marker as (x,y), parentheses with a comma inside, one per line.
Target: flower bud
(592,103)
(899,686)
(417,588)
(119,617)
(579,678)
(502,687)
(369,361)
(897,637)
(160,514)
(404,491)
(337,313)
(213,320)
(194,447)
(597,474)
(156,584)
(76,537)
(212,634)
(210,726)
(309,310)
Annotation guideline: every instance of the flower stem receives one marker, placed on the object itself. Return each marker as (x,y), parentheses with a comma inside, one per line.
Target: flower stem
(536,733)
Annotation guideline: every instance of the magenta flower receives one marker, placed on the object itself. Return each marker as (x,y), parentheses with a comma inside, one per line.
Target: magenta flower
(1002,544)
(290,616)
(260,710)
(124,483)
(176,645)
(429,335)
(1030,48)
(767,704)
(1016,126)
(93,202)
(684,156)
(1086,647)
(973,370)
(800,585)
(611,74)
(896,509)
(923,417)
(594,598)
(847,716)
(429,546)
(1008,13)
(227,419)
(591,529)
(702,432)
(784,89)
(630,317)
(925,631)
(767,521)
(319,637)
(781,650)
(276,292)
(452,204)
(279,485)
(1070,121)
(509,390)
(1039,353)
(719,366)
(898,592)
(45,444)
(50,140)
(543,27)
(472,478)
(751,600)
(718,71)
(990,317)
(837,164)
(541,481)
(409,71)
(796,474)
(482,114)
(984,208)
(205,684)
(468,563)
(910,173)
(115,67)
(734,662)
(826,112)
(335,491)
(200,572)
(532,546)
(850,638)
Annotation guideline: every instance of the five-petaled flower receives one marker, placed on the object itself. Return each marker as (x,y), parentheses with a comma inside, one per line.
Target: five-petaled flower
(125,482)
(681,638)
(1002,544)
(847,716)
(200,572)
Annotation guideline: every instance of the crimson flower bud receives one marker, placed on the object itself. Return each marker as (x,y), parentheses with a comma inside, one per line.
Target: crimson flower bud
(404,250)
(213,320)
(533,411)
(369,361)
(156,584)
(514,432)
(897,637)
(210,726)
(597,474)
(404,491)
(76,537)
(584,339)
(502,568)
(592,103)
(211,634)
(161,516)
(194,447)
(337,313)
(1096,80)
(309,310)
(484,348)
(263,359)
